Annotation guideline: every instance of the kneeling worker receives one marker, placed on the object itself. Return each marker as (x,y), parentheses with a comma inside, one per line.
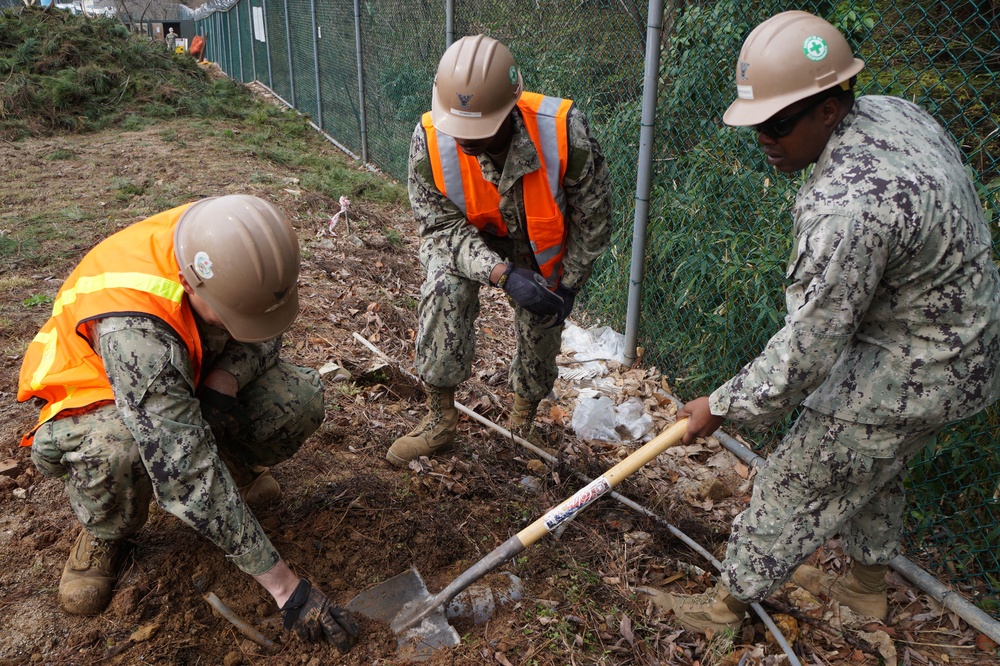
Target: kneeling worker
(158,376)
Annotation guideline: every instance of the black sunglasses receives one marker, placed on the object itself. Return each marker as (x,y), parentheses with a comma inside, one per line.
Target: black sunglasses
(778,128)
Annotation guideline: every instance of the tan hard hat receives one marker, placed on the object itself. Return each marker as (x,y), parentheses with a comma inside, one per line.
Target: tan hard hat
(476,86)
(788,57)
(241,256)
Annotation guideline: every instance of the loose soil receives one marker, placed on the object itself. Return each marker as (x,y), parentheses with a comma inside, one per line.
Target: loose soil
(347,519)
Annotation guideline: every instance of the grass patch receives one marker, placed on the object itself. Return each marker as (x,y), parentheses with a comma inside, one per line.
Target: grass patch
(61,154)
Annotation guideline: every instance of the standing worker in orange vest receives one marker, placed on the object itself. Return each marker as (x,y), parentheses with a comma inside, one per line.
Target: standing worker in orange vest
(509,189)
(158,375)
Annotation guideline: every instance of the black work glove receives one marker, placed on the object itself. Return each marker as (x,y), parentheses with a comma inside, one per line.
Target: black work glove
(568,296)
(223,414)
(309,613)
(528,290)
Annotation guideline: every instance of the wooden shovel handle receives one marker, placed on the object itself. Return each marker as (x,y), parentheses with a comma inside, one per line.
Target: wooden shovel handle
(603,484)
(413,614)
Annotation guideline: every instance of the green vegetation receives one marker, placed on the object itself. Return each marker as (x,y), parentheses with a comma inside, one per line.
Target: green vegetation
(64,72)
(72,73)
(35,300)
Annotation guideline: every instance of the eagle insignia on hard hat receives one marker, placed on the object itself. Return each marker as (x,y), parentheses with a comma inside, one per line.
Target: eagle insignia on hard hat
(463,100)
(744,66)
(513,75)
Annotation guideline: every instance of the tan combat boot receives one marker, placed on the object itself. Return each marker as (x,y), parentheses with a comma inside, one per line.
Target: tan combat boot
(434,434)
(863,589)
(714,610)
(261,489)
(522,417)
(255,483)
(88,579)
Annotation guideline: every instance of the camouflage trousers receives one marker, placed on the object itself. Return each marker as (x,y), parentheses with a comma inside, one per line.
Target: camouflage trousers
(446,337)
(828,476)
(110,480)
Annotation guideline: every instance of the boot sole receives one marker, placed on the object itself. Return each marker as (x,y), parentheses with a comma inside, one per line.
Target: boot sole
(403,462)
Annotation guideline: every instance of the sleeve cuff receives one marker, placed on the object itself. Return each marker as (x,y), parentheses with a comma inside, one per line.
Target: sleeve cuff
(258,561)
(718,402)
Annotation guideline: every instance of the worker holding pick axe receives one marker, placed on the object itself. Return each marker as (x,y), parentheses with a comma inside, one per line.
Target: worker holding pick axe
(509,189)
(893,325)
(158,375)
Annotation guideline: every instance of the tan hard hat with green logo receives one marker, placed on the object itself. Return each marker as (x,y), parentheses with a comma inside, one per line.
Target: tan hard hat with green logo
(788,57)
(241,256)
(476,86)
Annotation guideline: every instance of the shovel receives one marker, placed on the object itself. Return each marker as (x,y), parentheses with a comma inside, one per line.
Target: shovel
(418,619)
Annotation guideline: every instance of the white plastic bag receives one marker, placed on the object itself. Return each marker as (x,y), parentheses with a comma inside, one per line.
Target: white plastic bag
(594,418)
(632,414)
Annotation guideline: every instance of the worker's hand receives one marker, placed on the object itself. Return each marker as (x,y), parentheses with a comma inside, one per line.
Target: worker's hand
(701,421)
(568,296)
(527,289)
(223,414)
(311,616)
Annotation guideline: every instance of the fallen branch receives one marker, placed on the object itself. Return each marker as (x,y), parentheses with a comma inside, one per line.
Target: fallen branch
(237,621)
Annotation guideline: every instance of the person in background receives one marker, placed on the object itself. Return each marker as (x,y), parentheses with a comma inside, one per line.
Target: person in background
(158,376)
(509,189)
(893,325)
(171,39)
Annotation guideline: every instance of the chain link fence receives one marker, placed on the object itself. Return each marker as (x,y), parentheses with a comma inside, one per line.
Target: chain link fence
(719,224)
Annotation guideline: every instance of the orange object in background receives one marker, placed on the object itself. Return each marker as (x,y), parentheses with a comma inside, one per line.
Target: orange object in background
(197,49)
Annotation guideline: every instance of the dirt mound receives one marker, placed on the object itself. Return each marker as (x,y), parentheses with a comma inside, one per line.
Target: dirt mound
(66,72)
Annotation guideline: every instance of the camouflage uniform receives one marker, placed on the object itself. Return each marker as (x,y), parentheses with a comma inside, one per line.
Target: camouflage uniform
(154,441)
(893,330)
(458,258)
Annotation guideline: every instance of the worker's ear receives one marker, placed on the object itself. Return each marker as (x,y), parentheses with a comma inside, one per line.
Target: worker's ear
(184,283)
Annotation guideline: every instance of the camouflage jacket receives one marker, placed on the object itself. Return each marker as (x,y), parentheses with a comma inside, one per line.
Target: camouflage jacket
(894,299)
(446,234)
(152,377)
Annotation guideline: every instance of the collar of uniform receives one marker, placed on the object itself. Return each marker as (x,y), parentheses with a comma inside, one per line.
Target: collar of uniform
(522,157)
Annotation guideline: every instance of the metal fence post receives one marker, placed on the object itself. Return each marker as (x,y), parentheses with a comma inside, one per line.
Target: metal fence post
(291,69)
(449,23)
(319,93)
(253,50)
(267,46)
(643,178)
(230,60)
(362,117)
(239,41)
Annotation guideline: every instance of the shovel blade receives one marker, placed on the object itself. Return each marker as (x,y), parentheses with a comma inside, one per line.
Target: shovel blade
(385,601)
(433,633)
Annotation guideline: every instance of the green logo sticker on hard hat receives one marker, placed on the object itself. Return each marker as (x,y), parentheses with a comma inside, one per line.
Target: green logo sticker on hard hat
(513,75)
(815,48)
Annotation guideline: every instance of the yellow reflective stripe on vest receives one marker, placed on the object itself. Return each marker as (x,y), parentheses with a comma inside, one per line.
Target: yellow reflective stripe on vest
(548,135)
(48,342)
(170,290)
(451,170)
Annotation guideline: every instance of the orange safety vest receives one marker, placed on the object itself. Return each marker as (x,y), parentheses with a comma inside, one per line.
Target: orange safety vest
(131,272)
(459,177)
